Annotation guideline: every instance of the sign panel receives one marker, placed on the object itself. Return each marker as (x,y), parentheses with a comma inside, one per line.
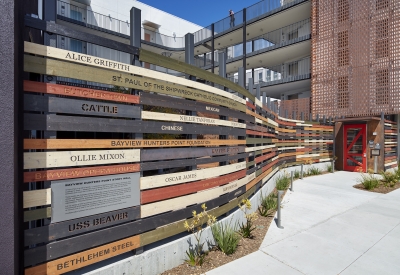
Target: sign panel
(76,198)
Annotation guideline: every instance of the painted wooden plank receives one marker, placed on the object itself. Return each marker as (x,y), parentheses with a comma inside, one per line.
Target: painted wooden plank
(199,197)
(256,148)
(290,120)
(40,65)
(54,122)
(176,178)
(190,119)
(37,198)
(69,228)
(34,160)
(71,245)
(56,89)
(122,67)
(188,162)
(172,153)
(258,140)
(79,107)
(179,66)
(73,173)
(168,192)
(185,104)
(85,258)
(37,214)
(127,143)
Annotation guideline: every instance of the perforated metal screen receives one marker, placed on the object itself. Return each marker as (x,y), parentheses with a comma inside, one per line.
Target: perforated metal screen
(355,57)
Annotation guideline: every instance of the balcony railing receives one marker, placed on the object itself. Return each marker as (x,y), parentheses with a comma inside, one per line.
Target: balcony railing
(104,22)
(93,19)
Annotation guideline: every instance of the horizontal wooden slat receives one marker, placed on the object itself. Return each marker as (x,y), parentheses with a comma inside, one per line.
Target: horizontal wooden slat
(78,226)
(176,178)
(73,173)
(190,119)
(37,214)
(125,143)
(37,198)
(56,89)
(199,197)
(79,107)
(179,66)
(34,160)
(123,67)
(49,66)
(54,122)
(168,192)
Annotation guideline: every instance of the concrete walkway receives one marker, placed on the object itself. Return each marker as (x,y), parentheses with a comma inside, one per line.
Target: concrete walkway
(329,228)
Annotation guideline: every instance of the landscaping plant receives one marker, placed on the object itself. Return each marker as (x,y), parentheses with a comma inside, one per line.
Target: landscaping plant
(312,171)
(296,174)
(268,205)
(282,181)
(329,168)
(368,180)
(225,237)
(246,228)
(389,178)
(196,255)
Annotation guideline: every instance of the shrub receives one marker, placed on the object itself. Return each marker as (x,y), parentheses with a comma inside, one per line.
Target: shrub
(226,238)
(268,205)
(368,180)
(329,168)
(246,229)
(296,174)
(282,181)
(196,255)
(389,178)
(312,171)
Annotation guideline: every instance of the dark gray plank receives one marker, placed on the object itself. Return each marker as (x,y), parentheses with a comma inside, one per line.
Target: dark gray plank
(173,153)
(80,107)
(188,162)
(78,226)
(91,124)
(183,104)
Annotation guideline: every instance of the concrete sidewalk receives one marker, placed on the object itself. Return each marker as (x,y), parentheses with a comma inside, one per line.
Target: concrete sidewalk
(329,228)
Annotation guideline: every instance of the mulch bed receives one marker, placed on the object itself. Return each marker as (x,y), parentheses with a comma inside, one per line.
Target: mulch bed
(380,189)
(216,258)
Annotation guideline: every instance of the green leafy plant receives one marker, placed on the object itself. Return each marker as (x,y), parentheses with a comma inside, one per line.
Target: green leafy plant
(329,168)
(196,255)
(389,178)
(312,171)
(282,181)
(296,174)
(368,180)
(246,229)
(225,237)
(268,205)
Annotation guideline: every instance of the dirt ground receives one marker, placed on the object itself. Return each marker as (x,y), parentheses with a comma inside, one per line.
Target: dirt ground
(380,189)
(216,258)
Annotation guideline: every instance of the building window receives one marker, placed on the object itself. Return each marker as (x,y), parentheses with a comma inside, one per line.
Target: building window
(76,15)
(293,68)
(382,48)
(343,92)
(293,35)
(382,28)
(343,10)
(260,76)
(382,4)
(382,87)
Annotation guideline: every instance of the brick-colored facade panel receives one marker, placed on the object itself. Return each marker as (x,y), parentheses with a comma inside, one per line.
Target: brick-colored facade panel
(355,57)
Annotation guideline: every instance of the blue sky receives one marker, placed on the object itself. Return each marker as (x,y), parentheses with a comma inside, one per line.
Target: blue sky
(202,12)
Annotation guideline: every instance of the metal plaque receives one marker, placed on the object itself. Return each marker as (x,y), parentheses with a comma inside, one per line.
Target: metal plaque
(375,152)
(76,198)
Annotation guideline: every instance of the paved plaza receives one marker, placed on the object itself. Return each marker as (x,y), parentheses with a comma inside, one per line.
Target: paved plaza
(329,228)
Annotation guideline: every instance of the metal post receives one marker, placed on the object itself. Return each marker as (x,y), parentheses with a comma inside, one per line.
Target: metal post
(324,119)
(333,166)
(269,103)
(241,76)
(376,164)
(280,193)
(291,180)
(310,117)
(301,171)
(189,52)
(244,45)
(135,33)
(317,117)
(212,48)
(286,114)
(251,86)
(258,92)
(302,116)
